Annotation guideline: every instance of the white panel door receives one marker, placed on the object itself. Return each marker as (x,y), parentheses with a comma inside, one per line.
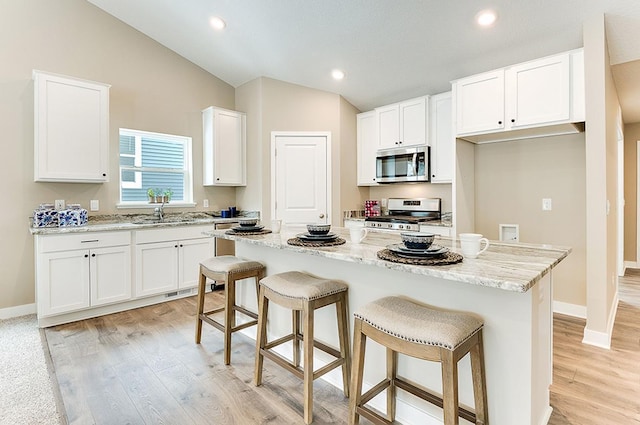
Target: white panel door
(63,282)
(480,103)
(229,148)
(156,268)
(110,275)
(301,184)
(191,252)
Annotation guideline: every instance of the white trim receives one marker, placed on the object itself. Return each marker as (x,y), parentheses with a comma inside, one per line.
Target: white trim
(17,311)
(329,192)
(148,205)
(568,309)
(631,265)
(602,339)
(637,202)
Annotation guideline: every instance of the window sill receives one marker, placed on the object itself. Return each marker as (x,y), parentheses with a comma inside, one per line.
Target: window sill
(148,205)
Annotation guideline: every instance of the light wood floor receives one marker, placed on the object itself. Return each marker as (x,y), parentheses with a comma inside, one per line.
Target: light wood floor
(143,367)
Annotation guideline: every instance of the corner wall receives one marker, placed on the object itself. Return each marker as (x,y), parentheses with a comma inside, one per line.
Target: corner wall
(631,137)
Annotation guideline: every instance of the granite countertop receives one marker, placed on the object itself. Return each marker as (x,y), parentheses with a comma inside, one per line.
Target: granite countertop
(111,222)
(506,266)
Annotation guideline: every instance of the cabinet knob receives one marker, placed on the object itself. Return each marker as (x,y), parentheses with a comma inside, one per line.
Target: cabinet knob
(217,178)
(513,120)
(499,122)
(433,175)
(93,255)
(104,174)
(86,255)
(181,245)
(175,246)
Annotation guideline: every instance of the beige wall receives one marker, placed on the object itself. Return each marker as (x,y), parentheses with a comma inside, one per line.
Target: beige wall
(413,190)
(631,138)
(601,143)
(152,89)
(289,107)
(511,178)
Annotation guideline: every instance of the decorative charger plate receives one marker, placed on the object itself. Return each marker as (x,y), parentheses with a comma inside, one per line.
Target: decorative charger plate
(442,260)
(251,233)
(315,243)
(247,228)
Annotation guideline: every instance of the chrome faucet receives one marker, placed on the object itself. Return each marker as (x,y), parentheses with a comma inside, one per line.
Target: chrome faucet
(159,212)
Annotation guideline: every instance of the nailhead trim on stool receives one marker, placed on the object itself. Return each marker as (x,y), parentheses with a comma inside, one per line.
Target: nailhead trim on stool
(227,269)
(303,294)
(409,328)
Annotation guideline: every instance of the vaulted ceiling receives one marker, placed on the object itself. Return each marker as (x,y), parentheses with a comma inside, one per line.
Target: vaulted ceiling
(390,50)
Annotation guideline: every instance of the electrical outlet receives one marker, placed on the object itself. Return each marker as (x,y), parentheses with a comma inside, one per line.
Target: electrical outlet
(59,205)
(95,205)
(205,203)
(546,204)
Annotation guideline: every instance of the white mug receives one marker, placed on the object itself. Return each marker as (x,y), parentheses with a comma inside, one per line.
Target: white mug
(470,244)
(275,226)
(357,234)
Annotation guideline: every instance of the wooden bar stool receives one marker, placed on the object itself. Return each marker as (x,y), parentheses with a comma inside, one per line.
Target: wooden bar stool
(303,294)
(403,326)
(227,269)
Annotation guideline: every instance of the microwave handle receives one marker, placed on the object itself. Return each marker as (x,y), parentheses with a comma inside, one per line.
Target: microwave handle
(415,164)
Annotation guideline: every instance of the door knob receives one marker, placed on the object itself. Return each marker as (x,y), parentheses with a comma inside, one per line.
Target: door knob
(321,215)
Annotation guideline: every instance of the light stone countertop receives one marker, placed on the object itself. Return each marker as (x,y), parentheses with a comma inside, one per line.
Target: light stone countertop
(113,222)
(506,266)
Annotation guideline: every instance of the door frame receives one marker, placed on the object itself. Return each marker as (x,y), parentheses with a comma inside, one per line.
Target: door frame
(274,135)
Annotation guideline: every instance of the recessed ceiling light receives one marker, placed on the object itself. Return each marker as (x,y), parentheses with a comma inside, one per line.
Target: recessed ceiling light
(486,18)
(217,23)
(337,74)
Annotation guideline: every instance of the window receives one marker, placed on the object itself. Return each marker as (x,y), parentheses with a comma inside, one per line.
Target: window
(160,162)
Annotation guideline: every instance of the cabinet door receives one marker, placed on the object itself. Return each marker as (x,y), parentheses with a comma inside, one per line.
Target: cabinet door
(367,146)
(156,268)
(413,122)
(62,282)
(388,126)
(190,253)
(110,275)
(442,140)
(480,103)
(539,92)
(224,147)
(71,129)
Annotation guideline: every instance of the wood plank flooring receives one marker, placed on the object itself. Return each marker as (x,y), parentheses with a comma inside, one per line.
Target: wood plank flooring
(143,367)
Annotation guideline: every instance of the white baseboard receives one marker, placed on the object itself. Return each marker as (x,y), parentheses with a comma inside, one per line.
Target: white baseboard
(574,310)
(602,339)
(17,311)
(631,265)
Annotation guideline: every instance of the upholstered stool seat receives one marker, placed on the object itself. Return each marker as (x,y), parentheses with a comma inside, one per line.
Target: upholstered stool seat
(227,269)
(405,327)
(303,294)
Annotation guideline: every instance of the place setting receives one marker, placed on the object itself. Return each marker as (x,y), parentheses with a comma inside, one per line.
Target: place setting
(419,249)
(317,235)
(248,227)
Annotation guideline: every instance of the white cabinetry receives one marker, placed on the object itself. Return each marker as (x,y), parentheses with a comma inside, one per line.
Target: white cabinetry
(79,271)
(224,150)
(403,124)
(441,137)
(168,259)
(436,230)
(71,129)
(546,92)
(367,145)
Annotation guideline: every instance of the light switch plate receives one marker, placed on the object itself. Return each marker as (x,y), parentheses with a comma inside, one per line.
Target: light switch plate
(59,204)
(205,203)
(546,204)
(95,205)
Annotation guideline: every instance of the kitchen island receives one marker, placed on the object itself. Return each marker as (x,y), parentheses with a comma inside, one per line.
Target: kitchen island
(508,286)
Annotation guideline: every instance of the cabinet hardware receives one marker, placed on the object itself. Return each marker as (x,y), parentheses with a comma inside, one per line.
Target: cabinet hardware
(175,246)
(104,174)
(92,240)
(86,255)
(499,122)
(93,255)
(513,120)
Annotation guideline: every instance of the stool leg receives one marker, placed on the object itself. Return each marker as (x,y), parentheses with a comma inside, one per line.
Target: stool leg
(308,362)
(229,317)
(449,387)
(479,382)
(343,336)
(261,338)
(357,371)
(295,328)
(201,289)
(392,373)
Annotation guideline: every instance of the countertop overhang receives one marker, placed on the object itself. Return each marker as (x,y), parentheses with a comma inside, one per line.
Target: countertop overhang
(507,266)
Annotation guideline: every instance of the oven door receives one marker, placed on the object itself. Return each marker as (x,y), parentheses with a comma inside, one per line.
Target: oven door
(403,165)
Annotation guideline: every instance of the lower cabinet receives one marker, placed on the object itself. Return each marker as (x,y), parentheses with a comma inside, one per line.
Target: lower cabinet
(436,230)
(165,263)
(75,272)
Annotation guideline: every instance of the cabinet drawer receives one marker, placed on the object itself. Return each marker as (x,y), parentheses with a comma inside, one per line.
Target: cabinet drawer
(55,243)
(171,234)
(437,230)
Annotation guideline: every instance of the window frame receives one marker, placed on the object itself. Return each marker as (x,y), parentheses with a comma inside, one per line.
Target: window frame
(137,168)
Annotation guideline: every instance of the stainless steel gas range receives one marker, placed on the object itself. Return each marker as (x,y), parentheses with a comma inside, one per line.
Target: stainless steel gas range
(406,214)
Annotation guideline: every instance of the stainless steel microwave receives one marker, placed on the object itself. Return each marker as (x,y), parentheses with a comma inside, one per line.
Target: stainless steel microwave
(400,165)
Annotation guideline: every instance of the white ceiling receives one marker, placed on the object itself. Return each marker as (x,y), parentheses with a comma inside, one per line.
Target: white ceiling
(390,50)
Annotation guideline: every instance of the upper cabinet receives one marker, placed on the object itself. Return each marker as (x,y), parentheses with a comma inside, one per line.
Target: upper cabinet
(224,150)
(515,102)
(403,124)
(367,145)
(441,137)
(71,129)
